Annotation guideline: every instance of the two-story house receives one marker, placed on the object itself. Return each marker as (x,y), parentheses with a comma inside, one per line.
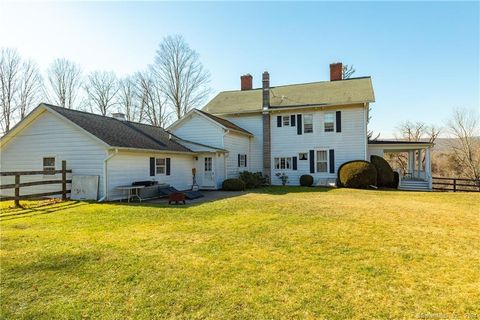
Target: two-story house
(295,129)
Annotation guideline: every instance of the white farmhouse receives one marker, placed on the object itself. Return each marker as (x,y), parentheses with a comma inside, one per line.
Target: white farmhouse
(297,129)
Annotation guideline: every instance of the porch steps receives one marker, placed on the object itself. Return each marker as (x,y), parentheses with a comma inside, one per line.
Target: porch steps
(414,185)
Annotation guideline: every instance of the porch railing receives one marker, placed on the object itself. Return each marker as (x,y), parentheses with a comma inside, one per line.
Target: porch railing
(415,175)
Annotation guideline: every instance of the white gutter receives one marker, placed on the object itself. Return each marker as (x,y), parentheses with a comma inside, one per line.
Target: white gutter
(105,180)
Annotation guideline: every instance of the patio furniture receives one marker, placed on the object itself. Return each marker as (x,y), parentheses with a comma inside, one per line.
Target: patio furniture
(176,197)
(131,192)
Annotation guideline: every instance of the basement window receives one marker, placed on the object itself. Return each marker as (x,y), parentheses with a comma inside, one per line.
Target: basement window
(49,165)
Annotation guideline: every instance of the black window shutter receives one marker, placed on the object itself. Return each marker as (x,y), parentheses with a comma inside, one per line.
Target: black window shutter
(294,163)
(312,161)
(238,160)
(168,166)
(332,161)
(299,124)
(245,161)
(152,166)
(292,120)
(338,115)
(279,121)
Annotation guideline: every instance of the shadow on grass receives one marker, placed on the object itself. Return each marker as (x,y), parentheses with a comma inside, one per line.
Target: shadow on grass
(212,196)
(42,208)
(58,262)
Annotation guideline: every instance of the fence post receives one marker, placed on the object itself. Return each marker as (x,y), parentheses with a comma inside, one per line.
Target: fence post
(64,179)
(454,185)
(17,190)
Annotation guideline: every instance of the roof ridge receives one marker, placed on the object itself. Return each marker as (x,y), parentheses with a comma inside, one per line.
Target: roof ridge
(301,83)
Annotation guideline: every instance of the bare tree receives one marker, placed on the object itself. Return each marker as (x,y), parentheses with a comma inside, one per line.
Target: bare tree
(10,68)
(101,88)
(413,132)
(128,101)
(464,129)
(31,90)
(152,99)
(347,71)
(65,82)
(183,78)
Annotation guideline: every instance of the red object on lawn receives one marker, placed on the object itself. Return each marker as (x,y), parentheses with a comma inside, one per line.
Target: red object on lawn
(177,197)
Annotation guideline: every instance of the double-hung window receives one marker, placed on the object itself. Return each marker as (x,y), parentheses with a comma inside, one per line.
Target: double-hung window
(307,123)
(329,122)
(49,165)
(242,160)
(286,121)
(160,165)
(322,161)
(283,163)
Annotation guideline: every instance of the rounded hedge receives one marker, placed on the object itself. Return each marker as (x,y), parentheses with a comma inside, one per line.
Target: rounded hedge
(385,177)
(306,180)
(233,185)
(357,174)
(396,180)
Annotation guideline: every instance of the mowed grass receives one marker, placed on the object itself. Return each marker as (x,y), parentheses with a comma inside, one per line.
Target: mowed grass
(270,254)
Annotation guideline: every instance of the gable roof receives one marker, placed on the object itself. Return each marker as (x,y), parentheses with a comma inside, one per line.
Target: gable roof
(117,133)
(224,123)
(348,91)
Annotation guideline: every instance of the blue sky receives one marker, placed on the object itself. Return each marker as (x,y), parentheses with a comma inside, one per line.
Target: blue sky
(423,56)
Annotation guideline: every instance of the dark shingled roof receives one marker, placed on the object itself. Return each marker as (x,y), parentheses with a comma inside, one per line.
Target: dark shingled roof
(121,134)
(224,122)
(396,142)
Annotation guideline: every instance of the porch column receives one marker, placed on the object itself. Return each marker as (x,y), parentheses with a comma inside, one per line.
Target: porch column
(428,167)
(419,162)
(411,159)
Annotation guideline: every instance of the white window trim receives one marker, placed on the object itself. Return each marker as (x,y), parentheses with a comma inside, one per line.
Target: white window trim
(305,153)
(54,167)
(205,162)
(280,163)
(334,122)
(288,121)
(243,162)
(303,116)
(327,161)
(164,167)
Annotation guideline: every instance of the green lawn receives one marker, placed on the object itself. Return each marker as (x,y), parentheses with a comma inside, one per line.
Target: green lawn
(274,253)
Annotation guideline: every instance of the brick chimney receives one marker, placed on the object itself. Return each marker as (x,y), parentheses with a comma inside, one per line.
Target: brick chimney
(267,161)
(336,71)
(246,82)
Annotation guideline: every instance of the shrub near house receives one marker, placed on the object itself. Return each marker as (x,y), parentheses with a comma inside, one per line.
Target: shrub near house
(357,174)
(385,175)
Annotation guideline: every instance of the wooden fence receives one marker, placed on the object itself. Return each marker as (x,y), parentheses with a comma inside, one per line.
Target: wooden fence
(18,185)
(455,184)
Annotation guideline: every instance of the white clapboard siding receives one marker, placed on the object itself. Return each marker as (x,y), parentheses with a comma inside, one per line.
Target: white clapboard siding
(198,129)
(127,167)
(236,144)
(253,124)
(47,136)
(350,144)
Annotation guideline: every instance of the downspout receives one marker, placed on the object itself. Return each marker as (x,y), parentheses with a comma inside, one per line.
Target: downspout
(105,179)
(225,155)
(365,112)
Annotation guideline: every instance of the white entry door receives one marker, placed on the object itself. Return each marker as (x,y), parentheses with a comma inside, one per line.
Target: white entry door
(208,172)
